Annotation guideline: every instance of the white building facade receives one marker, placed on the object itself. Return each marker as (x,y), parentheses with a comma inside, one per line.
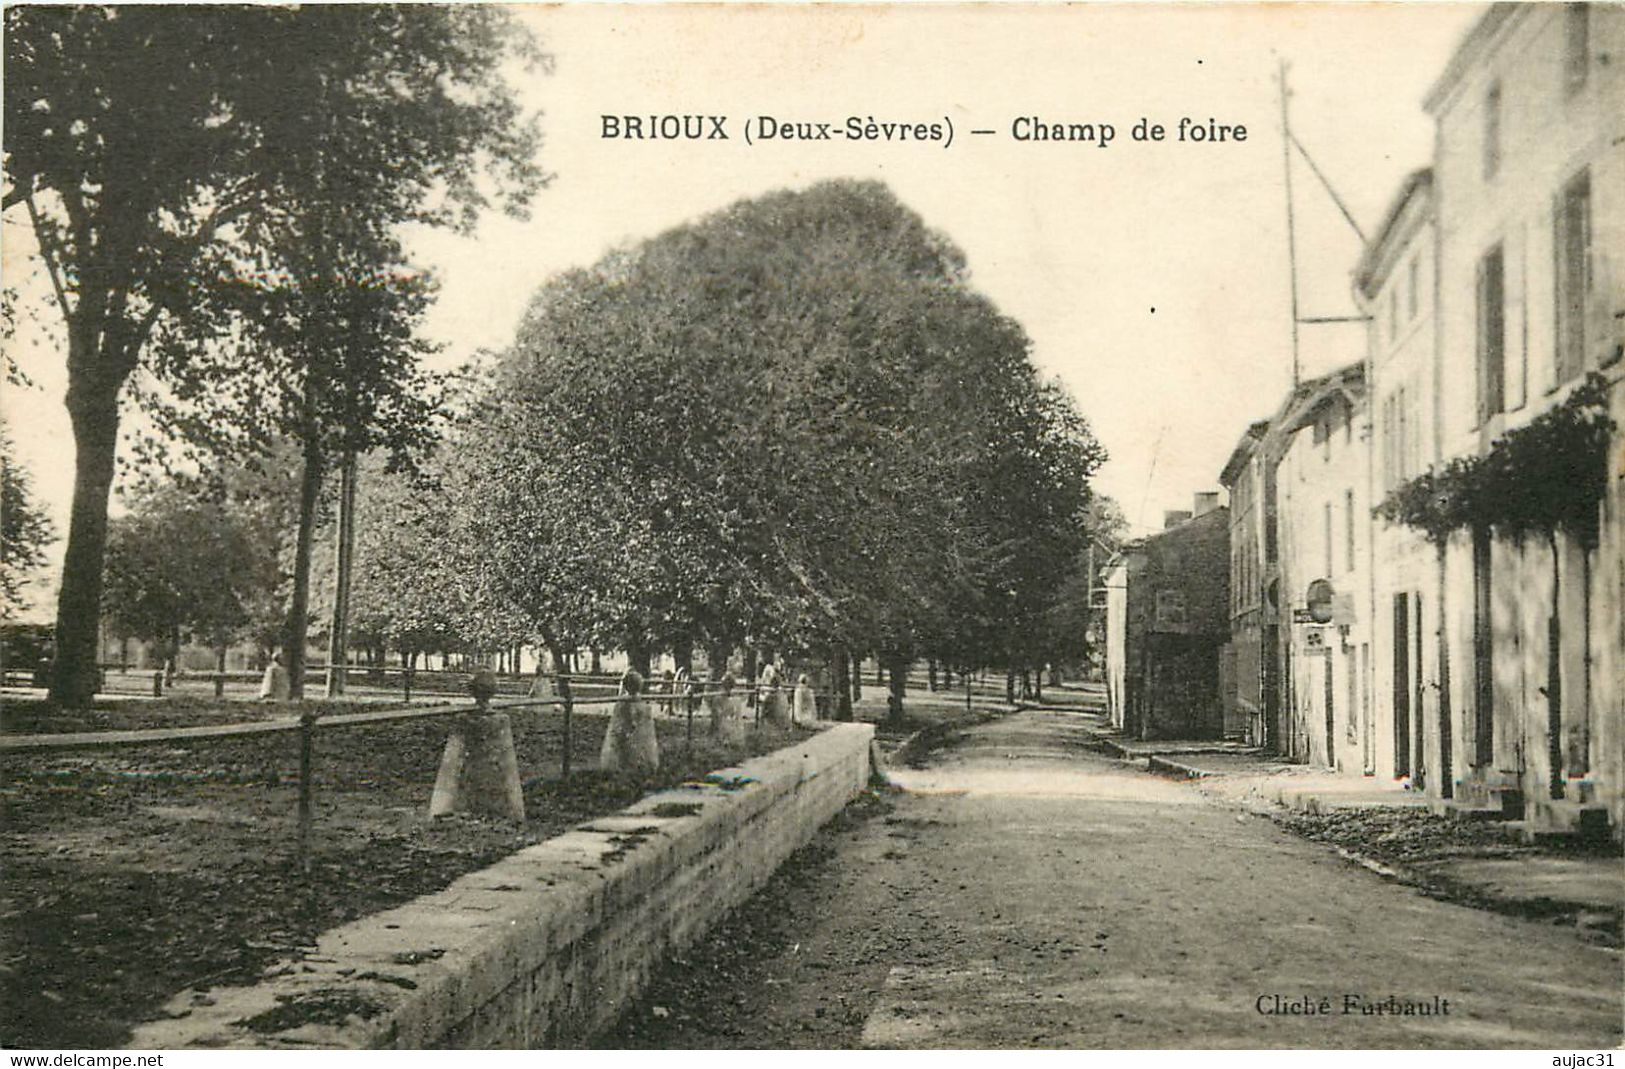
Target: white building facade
(1410,682)
(1529,197)
(1324,515)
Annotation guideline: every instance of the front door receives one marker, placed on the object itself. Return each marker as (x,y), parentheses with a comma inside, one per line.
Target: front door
(1402,686)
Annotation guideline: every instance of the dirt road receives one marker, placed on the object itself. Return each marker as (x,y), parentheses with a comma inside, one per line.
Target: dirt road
(1028,892)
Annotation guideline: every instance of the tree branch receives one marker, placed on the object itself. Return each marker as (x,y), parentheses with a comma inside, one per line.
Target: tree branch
(48,253)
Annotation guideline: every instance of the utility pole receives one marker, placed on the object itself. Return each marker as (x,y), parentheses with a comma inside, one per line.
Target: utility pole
(338,634)
(1291,231)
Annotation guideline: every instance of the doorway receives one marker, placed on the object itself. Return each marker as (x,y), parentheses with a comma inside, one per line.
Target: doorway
(1402,686)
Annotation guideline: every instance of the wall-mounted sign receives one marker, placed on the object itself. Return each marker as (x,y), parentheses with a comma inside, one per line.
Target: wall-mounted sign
(1314,639)
(1320,597)
(1302,616)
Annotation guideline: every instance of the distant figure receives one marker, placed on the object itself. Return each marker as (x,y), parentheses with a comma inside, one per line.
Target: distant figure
(274,686)
(630,744)
(668,688)
(773,706)
(727,725)
(805,710)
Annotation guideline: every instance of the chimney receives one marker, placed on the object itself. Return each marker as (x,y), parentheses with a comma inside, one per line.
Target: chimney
(1206,503)
(1173,518)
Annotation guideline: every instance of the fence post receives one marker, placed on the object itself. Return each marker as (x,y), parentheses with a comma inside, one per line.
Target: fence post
(307,725)
(569,705)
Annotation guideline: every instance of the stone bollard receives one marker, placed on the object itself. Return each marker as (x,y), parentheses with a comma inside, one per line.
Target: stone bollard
(479,771)
(158,683)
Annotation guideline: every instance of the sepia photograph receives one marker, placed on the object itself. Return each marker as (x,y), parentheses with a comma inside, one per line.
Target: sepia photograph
(811,526)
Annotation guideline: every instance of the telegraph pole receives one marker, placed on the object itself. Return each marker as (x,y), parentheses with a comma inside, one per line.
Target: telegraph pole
(1291,232)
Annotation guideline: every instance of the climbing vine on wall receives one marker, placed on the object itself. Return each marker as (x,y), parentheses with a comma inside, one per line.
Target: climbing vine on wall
(1544,477)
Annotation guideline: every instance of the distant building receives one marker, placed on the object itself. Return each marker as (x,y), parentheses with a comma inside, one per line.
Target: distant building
(1167,610)
(1324,520)
(1251,696)
(1395,282)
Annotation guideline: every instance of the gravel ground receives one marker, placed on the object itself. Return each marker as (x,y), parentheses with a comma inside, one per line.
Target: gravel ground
(1026,893)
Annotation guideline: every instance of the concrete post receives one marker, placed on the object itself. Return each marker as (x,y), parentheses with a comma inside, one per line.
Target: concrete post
(479,772)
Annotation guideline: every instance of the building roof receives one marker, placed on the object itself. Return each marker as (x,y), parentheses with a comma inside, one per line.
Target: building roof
(1188,526)
(1470,51)
(1347,383)
(1418,185)
(1243,451)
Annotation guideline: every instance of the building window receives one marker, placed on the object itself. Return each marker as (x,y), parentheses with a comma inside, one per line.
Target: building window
(1327,529)
(1348,530)
(1491,335)
(1415,273)
(1572,245)
(1395,440)
(1412,419)
(1577,46)
(1492,131)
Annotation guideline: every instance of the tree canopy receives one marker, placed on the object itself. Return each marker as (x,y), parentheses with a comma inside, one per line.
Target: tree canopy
(792,423)
(165,156)
(25,529)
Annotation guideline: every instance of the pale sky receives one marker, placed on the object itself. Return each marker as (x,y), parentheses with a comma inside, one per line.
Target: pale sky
(1077,242)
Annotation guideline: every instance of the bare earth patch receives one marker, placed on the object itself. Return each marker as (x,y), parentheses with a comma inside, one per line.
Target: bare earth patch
(136,872)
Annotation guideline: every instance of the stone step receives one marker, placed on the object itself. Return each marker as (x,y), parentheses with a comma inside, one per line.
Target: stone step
(1474,813)
(1560,819)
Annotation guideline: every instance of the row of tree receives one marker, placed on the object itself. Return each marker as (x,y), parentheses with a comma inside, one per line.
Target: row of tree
(218,196)
(793,424)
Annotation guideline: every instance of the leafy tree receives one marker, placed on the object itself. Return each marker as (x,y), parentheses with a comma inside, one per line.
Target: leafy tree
(180,568)
(25,529)
(159,149)
(791,423)
(408,591)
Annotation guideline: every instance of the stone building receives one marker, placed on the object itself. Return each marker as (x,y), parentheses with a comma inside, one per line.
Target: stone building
(1167,621)
(1323,517)
(1395,283)
(1529,204)
(1251,696)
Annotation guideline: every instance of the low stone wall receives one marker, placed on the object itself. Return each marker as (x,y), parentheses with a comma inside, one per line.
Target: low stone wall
(545,947)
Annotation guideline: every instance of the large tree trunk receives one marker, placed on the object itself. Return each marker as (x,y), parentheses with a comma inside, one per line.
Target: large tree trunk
(638,655)
(841,665)
(338,638)
(299,607)
(561,688)
(716,657)
(897,671)
(93,412)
